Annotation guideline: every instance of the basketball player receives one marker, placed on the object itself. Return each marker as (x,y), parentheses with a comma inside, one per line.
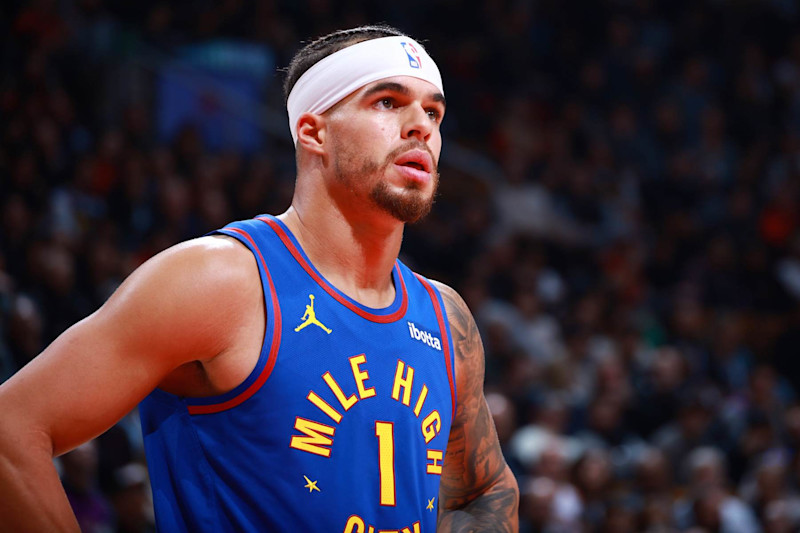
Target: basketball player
(291,373)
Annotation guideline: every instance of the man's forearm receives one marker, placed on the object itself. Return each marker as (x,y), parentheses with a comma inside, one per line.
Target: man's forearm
(496,510)
(32,498)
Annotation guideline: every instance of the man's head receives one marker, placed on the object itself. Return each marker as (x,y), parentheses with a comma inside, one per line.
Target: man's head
(365,105)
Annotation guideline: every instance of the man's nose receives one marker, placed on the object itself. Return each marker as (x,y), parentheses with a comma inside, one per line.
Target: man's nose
(417,123)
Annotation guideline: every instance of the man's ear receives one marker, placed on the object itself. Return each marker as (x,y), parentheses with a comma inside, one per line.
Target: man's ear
(311,132)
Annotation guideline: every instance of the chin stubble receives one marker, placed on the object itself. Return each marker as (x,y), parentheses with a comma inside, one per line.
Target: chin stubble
(409,205)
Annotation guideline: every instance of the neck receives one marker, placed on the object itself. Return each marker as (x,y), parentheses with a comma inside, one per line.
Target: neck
(352,250)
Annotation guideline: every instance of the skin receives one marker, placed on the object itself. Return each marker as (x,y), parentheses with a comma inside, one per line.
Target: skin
(478,492)
(159,328)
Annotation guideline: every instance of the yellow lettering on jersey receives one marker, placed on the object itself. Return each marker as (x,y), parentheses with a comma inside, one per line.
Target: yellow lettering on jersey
(403,383)
(361,376)
(324,406)
(355,524)
(435,467)
(421,400)
(315,440)
(431,426)
(347,403)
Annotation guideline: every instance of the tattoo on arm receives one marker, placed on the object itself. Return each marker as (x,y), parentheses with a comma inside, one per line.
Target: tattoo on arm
(477,490)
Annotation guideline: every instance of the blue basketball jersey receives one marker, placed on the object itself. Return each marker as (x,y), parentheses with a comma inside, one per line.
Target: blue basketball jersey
(341,427)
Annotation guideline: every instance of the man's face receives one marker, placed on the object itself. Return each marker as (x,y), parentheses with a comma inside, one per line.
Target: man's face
(385,145)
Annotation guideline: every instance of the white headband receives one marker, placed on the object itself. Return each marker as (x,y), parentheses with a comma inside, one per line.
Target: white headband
(344,71)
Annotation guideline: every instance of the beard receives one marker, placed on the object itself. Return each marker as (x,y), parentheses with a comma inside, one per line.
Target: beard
(407,205)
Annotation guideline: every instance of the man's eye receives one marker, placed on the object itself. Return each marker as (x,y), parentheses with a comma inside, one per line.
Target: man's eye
(434,115)
(386,103)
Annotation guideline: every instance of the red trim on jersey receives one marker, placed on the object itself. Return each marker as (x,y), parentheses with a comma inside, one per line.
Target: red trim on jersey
(273,350)
(381,319)
(448,361)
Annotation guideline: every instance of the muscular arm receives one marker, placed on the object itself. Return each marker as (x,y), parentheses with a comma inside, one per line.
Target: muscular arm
(478,491)
(163,316)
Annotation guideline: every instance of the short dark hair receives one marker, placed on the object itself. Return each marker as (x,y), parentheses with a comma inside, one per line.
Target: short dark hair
(324,46)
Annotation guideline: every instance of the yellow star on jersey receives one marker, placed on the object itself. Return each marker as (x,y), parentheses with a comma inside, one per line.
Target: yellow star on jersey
(311,485)
(430,504)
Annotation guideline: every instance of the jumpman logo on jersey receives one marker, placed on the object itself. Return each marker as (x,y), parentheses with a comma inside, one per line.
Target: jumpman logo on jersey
(310,317)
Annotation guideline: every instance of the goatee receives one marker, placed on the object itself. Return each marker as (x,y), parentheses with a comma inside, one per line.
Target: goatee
(408,205)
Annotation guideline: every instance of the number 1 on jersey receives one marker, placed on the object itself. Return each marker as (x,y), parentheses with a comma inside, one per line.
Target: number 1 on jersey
(385,433)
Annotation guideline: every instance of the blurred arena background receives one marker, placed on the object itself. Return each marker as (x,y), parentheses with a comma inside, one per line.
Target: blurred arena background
(619,207)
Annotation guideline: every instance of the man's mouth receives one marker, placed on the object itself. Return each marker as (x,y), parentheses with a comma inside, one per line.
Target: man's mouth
(416,159)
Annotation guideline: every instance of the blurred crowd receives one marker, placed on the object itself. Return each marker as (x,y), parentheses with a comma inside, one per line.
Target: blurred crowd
(632,261)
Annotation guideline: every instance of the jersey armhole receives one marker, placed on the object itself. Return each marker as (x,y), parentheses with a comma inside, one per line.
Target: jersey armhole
(447,342)
(270,344)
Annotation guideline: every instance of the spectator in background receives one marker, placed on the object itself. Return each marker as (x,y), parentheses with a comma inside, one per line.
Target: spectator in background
(538,511)
(79,477)
(694,427)
(593,475)
(130,498)
(504,415)
(660,391)
(765,488)
(655,508)
(709,503)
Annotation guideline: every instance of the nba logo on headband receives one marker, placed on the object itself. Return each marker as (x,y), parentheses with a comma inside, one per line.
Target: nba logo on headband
(413,56)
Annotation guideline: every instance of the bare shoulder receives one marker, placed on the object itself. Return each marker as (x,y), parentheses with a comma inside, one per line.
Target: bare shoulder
(176,308)
(449,294)
(214,270)
(179,295)
(477,490)
(452,300)
(218,258)
(469,356)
